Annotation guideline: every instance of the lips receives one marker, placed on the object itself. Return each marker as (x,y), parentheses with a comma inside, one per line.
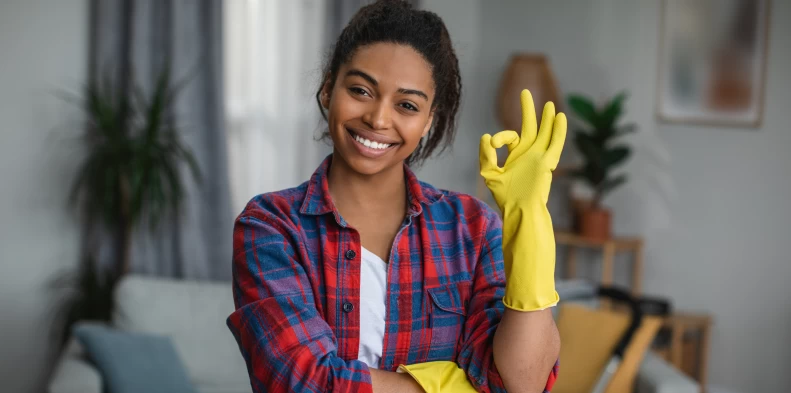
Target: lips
(372,136)
(370,145)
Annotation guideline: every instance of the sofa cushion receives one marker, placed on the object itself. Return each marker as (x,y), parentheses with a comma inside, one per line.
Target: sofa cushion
(74,372)
(133,362)
(193,314)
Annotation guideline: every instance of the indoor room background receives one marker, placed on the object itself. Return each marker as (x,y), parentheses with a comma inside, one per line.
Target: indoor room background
(710,202)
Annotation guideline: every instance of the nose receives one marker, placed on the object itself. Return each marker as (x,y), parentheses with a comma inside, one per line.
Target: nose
(378,116)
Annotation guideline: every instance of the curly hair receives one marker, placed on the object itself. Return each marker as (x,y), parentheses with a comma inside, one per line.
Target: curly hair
(396,21)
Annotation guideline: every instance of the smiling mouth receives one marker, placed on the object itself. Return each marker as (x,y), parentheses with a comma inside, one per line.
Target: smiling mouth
(369,143)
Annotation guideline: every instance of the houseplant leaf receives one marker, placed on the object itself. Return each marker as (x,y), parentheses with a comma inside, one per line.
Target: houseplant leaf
(625,129)
(131,172)
(584,108)
(587,146)
(611,113)
(611,184)
(615,156)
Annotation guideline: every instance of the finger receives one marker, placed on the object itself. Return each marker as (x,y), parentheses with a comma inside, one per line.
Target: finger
(558,140)
(547,122)
(487,154)
(528,118)
(508,137)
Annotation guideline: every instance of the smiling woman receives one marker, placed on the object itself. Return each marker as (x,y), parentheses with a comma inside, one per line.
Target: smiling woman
(382,96)
(363,278)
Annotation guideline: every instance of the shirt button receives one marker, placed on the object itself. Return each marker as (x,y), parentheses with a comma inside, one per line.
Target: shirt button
(348,307)
(350,254)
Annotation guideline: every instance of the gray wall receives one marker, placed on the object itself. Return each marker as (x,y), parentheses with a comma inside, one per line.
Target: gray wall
(43,49)
(712,203)
(457,168)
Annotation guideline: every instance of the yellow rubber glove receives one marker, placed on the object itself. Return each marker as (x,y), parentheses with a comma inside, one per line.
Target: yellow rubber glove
(521,189)
(438,377)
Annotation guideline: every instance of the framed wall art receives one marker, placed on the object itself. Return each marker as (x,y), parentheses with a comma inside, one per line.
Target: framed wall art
(712,61)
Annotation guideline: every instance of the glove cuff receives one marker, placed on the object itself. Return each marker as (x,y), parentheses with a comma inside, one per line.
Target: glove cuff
(527,305)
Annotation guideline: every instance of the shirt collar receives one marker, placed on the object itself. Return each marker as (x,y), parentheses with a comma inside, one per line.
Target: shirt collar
(318,200)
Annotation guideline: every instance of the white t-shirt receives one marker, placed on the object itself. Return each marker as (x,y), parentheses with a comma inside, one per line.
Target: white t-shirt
(373,291)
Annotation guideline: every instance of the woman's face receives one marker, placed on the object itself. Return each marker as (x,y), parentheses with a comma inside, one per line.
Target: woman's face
(380,106)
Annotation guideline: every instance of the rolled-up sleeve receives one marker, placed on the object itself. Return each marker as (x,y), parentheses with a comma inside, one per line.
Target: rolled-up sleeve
(484,313)
(286,343)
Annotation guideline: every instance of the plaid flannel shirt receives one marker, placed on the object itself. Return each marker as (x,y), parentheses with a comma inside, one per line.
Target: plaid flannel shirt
(296,287)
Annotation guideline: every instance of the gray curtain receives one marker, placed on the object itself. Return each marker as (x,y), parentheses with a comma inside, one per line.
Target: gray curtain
(136,37)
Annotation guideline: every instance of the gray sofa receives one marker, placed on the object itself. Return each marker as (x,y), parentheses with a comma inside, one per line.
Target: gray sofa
(194,313)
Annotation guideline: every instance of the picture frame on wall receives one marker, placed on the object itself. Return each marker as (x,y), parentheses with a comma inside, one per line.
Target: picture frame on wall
(712,62)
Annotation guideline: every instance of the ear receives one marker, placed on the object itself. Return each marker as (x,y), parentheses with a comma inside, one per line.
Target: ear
(325,94)
(429,123)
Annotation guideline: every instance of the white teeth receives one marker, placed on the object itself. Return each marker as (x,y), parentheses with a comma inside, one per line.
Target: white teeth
(371,144)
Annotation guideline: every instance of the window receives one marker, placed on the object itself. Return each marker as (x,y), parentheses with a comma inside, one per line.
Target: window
(273,51)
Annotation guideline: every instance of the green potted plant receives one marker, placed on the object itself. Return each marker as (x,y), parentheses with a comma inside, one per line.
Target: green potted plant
(595,135)
(131,174)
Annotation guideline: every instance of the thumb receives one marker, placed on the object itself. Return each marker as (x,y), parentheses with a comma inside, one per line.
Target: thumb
(487,154)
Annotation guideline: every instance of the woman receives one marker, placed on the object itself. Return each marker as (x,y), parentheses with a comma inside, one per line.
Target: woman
(364,279)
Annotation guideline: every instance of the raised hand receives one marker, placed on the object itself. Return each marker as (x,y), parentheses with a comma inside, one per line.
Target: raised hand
(521,189)
(527,173)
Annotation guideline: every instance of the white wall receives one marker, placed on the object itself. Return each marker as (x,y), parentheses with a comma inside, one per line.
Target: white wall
(43,49)
(712,203)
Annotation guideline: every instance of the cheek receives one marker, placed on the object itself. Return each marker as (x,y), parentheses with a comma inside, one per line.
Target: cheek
(412,128)
(344,107)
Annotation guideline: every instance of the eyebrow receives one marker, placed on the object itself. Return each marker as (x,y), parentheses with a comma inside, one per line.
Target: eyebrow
(371,80)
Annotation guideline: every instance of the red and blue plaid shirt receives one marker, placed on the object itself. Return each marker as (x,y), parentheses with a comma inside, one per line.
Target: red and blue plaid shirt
(296,286)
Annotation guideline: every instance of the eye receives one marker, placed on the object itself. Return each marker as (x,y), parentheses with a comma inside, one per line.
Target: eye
(358,91)
(408,106)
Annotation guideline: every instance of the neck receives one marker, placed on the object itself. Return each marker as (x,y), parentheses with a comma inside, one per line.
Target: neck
(352,191)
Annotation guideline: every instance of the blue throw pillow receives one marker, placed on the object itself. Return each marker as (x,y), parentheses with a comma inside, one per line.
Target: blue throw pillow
(134,363)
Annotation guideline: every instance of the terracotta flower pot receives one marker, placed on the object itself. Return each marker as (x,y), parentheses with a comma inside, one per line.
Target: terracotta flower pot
(595,223)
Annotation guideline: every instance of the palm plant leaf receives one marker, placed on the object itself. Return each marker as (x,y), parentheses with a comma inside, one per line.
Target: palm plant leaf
(132,172)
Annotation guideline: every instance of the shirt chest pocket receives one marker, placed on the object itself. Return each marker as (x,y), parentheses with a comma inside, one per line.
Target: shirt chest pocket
(447,316)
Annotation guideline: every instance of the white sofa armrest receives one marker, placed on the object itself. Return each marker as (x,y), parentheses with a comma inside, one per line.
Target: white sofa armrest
(657,376)
(74,373)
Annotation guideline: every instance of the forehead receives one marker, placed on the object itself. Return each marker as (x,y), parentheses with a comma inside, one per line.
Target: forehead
(393,65)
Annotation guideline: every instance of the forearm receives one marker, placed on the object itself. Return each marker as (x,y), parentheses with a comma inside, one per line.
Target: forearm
(387,382)
(526,347)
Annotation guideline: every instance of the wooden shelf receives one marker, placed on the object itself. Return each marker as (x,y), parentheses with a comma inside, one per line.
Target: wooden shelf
(608,248)
(620,243)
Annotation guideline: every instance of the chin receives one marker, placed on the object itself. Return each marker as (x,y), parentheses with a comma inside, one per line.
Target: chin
(364,165)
